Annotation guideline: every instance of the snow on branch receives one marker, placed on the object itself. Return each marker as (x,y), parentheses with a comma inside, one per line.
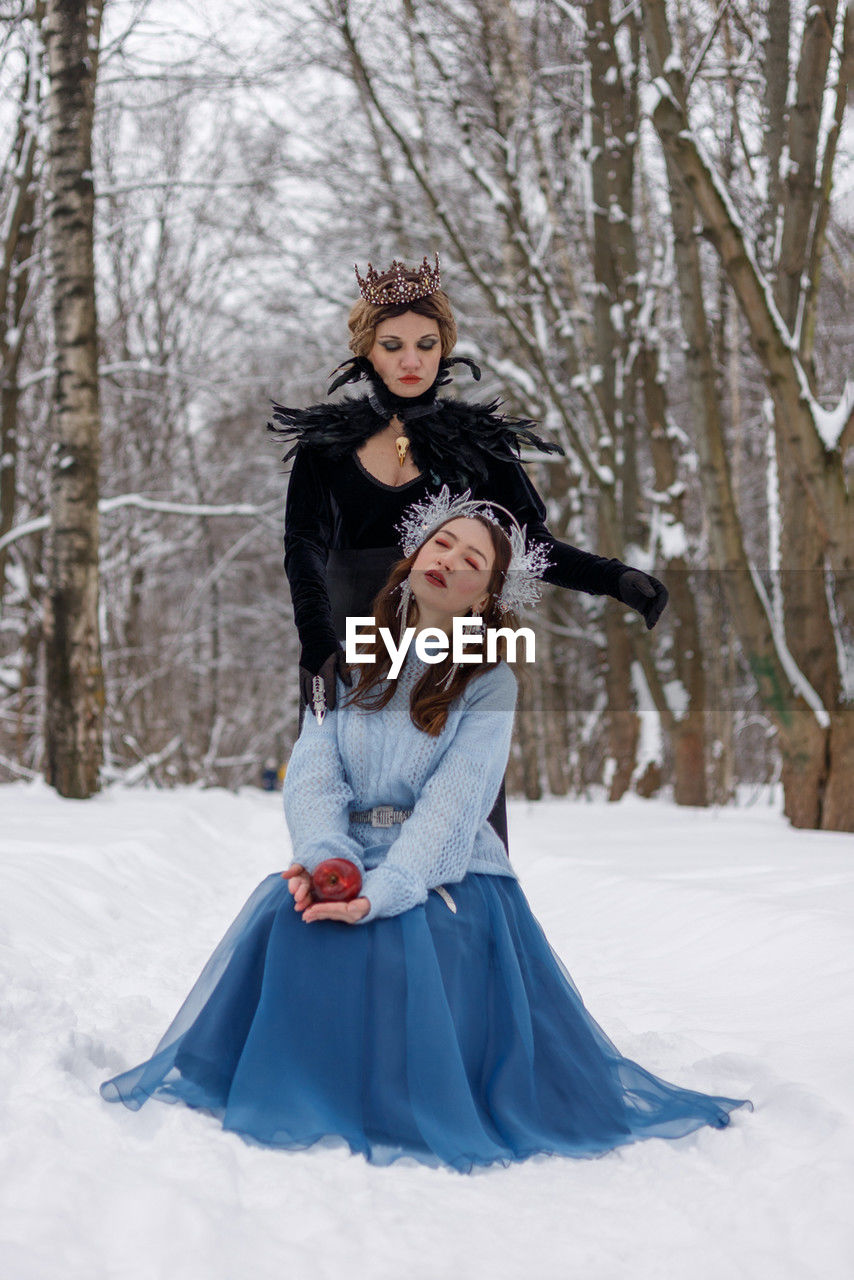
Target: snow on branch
(131,188)
(831,423)
(652,95)
(512,372)
(140,771)
(107,505)
(15,767)
(796,677)
(571,12)
(184,508)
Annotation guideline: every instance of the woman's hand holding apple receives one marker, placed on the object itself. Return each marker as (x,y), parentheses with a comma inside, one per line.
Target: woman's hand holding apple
(300,885)
(336,880)
(347,912)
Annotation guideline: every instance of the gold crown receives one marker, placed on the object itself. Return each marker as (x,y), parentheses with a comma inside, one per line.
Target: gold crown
(399,283)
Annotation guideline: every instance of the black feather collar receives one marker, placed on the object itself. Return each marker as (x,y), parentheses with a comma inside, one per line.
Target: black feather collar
(451,440)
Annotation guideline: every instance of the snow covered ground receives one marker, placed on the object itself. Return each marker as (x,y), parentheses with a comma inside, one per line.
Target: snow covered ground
(717,948)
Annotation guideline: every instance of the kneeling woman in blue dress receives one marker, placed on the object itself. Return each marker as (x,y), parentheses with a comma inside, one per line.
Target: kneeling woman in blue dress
(428,1016)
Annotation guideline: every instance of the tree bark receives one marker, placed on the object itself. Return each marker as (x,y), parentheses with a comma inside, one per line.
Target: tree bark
(837,803)
(804,774)
(74,676)
(844,80)
(685,723)
(803,133)
(623,719)
(15,255)
(612,122)
(809,626)
(775,90)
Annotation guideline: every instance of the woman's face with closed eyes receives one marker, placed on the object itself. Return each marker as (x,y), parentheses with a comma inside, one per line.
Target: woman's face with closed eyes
(451,573)
(406,353)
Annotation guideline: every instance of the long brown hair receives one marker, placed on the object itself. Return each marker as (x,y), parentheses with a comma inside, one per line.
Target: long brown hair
(364,318)
(430,702)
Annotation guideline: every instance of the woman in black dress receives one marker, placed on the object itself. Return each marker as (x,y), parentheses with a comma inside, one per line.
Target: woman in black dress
(359,462)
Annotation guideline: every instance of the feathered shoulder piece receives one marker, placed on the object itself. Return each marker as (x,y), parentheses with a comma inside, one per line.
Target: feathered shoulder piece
(450,439)
(333,429)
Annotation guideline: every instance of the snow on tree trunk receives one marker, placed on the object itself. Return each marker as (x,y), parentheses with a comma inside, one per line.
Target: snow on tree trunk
(683,718)
(74,677)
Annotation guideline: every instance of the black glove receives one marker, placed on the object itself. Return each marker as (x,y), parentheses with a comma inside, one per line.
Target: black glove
(331,667)
(644,593)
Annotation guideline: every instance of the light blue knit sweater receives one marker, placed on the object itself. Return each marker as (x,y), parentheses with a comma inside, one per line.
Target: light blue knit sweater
(358,759)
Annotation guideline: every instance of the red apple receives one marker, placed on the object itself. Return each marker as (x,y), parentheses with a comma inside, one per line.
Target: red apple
(336,880)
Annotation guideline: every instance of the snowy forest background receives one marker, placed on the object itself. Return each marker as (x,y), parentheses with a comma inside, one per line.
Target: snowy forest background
(645,218)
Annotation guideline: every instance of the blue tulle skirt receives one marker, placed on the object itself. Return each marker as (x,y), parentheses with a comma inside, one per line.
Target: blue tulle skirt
(456,1039)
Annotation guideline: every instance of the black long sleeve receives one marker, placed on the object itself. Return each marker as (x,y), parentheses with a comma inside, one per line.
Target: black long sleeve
(571,567)
(309,523)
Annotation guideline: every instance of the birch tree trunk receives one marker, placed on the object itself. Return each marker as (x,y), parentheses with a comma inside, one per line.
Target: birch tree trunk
(74,676)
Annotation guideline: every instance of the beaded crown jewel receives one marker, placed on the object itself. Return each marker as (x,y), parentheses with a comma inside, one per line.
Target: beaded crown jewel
(522,584)
(398,283)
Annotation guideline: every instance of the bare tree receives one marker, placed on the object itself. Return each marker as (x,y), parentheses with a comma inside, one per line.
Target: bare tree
(75,683)
(795,651)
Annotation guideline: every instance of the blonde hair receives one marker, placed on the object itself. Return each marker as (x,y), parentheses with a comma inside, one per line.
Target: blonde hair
(364,318)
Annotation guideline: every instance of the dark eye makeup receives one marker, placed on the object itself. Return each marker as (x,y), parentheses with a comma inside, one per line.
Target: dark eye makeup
(392,344)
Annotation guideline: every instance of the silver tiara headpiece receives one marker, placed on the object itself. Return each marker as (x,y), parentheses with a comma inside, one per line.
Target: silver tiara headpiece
(522,581)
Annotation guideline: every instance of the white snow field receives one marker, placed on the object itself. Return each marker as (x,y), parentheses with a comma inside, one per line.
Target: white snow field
(715,947)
